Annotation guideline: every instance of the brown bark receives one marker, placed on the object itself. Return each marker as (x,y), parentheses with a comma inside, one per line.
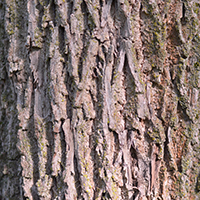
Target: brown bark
(99,99)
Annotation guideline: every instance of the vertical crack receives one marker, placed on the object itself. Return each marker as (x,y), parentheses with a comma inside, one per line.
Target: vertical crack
(61,37)
(77,178)
(183,18)
(41,13)
(52,10)
(63,145)
(34,146)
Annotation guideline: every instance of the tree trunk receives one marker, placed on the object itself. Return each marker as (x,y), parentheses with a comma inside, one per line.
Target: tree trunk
(99,99)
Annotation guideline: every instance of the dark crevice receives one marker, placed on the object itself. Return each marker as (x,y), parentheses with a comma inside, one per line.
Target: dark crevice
(61,36)
(117,147)
(136,193)
(45,96)
(114,10)
(179,165)
(124,190)
(24,198)
(182,100)
(85,40)
(148,124)
(134,156)
(174,36)
(119,18)
(54,187)
(11,183)
(197,187)
(58,187)
(52,10)
(69,82)
(98,106)
(50,147)
(101,3)
(41,13)
(183,19)
(93,98)
(183,54)
(85,118)
(47,2)
(85,12)
(89,21)
(167,156)
(183,111)
(131,98)
(105,195)
(96,166)
(100,64)
(143,13)
(99,86)
(104,51)
(10,156)
(129,79)
(63,146)
(34,146)
(70,6)
(114,70)
(140,10)
(80,67)
(77,178)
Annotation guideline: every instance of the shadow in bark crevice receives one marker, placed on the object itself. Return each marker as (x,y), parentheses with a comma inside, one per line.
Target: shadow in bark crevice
(117,147)
(96,166)
(58,187)
(41,107)
(124,189)
(63,146)
(77,179)
(70,7)
(53,12)
(97,125)
(85,39)
(40,8)
(44,98)
(34,146)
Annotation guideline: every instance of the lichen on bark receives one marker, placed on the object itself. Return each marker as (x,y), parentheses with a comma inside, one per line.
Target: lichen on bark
(99,99)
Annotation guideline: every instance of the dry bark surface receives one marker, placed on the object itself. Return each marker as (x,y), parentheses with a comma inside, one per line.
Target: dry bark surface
(99,99)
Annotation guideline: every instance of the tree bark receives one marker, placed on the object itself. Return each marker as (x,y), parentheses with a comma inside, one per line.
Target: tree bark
(99,99)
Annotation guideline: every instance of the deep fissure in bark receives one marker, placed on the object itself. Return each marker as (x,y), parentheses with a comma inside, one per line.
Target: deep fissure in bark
(99,99)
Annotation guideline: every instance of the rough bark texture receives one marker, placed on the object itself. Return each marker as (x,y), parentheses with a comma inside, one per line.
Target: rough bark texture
(99,99)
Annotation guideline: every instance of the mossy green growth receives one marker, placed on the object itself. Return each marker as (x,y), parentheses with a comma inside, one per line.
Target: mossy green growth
(154,135)
(10,29)
(196,8)
(185,163)
(194,81)
(12,14)
(91,23)
(183,100)
(157,32)
(114,189)
(173,121)
(38,37)
(197,66)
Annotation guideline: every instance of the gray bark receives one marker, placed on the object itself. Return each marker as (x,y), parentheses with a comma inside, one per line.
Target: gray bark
(99,99)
